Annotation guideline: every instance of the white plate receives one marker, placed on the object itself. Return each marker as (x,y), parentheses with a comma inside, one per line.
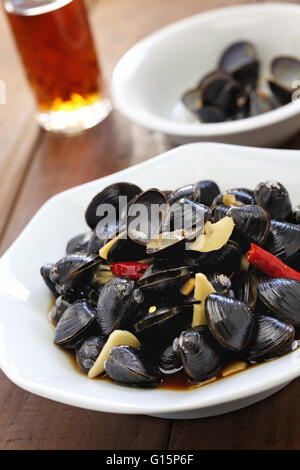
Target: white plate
(151,77)
(27,354)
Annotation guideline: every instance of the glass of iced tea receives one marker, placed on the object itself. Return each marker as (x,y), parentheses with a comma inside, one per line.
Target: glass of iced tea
(56,46)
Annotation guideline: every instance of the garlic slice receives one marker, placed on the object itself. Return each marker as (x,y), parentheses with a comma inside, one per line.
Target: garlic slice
(233,367)
(215,235)
(206,382)
(229,199)
(202,289)
(103,252)
(116,338)
(187,288)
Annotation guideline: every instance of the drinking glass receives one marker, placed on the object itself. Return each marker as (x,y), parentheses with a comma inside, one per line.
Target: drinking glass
(55,43)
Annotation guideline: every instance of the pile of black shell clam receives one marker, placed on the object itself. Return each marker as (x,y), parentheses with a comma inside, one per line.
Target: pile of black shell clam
(197,308)
(235,89)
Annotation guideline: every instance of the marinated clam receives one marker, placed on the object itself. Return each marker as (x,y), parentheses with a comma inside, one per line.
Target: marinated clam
(235,89)
(165,287)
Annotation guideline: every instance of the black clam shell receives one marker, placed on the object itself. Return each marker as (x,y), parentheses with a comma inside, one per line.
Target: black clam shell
(244,285)
(272,338)
(45,273)
(58,309)
(295,217)
(215,97)
(286,73)
(163,324)
(219,212)
(163,280)
(169,361)
(125,249)
(117,306)
(185,220)
(211,114)
(78,319)
(78,244)
(212,85)
(146,216)
(208,190)
(230,321)
(274,197)
(283,240)
(110,195)
(282,297)
(218,90)
(242,195)
(260,103)
(251,225)
(200,354)
(221,283)
(100,236)
(126,365)
(87,352)
(240,60)
(226,260)
(187,215)
(282,94)
(73,272)
(188,191)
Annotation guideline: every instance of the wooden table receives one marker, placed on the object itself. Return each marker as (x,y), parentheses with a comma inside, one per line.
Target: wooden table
(35,165)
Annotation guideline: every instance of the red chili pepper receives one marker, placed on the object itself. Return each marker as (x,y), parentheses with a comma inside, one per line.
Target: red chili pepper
(129,269)
(270,264)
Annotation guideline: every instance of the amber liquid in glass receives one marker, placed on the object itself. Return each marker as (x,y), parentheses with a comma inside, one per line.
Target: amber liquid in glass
(56,46)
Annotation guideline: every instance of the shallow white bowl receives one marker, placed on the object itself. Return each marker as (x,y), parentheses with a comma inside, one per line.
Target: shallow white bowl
(27,353)
(151,77)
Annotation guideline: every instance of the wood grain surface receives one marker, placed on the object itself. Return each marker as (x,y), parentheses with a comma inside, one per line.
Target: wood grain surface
(35,165)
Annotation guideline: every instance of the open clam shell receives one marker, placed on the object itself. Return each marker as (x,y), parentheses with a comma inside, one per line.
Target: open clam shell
(146,216)
(285,79)
(240,59)
(242,195)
